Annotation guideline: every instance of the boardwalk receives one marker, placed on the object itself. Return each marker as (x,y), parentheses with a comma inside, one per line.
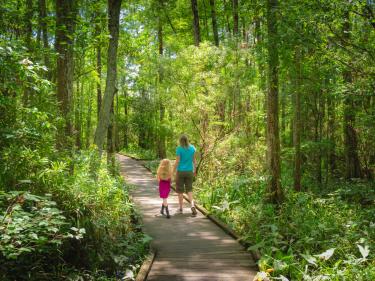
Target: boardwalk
(188,248)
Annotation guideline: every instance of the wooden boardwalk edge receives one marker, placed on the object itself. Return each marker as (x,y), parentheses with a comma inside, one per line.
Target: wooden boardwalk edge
(146,266)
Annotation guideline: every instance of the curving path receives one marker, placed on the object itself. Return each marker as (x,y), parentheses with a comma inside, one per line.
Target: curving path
(187,248)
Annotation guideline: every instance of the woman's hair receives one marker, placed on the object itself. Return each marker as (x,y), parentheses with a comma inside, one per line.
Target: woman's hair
(184,141)
(164,170)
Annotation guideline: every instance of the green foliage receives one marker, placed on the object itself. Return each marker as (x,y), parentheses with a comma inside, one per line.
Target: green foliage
(291,238)
(62,217)
(31,223)
(139,153)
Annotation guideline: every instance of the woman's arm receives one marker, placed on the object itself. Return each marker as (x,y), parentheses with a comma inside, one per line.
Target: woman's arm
(195,165)
(176,164)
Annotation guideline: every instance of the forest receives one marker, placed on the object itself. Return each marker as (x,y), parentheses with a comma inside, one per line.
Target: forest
(277,96)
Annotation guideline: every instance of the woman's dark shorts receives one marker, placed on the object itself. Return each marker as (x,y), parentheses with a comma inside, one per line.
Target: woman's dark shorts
(184,182)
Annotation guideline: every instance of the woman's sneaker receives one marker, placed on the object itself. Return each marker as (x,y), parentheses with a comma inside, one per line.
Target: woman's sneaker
(180,211)
(193,211)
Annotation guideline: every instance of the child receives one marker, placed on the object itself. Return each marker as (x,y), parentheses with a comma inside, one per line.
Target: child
(164,176)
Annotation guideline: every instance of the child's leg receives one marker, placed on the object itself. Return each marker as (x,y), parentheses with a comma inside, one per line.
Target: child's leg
(165,202)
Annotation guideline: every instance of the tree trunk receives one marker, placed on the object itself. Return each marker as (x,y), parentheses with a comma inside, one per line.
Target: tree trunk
(226,17)
(235,17)
(29,24)
(44,31)
(331,158)
(88,119)
(353,167)
(297,123)
(126,125)
(65,22)
(214,22)
(116,124)
(273,141)
(114,7)
(110,140)
(205,19)
(197,35)
(28,35)
(161,135)
(283,116)
(77,117)
(98,69)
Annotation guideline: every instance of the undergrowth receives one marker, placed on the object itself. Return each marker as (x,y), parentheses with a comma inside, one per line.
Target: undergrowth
(61,225)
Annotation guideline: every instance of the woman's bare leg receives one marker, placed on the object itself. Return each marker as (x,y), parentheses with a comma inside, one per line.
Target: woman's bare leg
(180,199)
(190,195)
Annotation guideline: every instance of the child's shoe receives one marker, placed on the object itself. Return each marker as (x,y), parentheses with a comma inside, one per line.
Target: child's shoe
(162,210)
(167,211)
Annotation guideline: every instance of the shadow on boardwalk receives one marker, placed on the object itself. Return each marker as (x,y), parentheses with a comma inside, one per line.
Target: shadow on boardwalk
(188,248)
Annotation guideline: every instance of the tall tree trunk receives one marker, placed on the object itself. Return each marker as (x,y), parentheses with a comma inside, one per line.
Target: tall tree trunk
(321,115)
(114,7)
(28,41)
(197,35)
(65,22)
(214,22)
(78,114)
(205,19)
(226,17)
(235,17)
(98,69)
(283,116)
(110,139)
(353,166)
(29,24)
(331,128)
(297,123)
(88,118)
(126,125)
(44,31)
(117,131)
(161,135)
(273,141)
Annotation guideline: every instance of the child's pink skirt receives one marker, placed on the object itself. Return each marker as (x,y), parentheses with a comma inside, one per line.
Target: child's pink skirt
(164,188)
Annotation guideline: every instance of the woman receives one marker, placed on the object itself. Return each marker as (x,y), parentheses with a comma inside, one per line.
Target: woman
(186,169)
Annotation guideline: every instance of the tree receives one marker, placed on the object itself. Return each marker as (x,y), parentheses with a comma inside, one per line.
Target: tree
(44,31)
(65,23)
(353,166)
(297,122)
(161,136)
(235,17)
(197,34)
(114,7)
(273,141)
(214,22)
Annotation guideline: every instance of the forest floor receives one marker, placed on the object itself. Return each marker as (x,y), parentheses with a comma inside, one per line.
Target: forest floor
(187,248)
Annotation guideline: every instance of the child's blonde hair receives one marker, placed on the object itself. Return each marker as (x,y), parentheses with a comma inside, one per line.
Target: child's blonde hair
(164,170)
